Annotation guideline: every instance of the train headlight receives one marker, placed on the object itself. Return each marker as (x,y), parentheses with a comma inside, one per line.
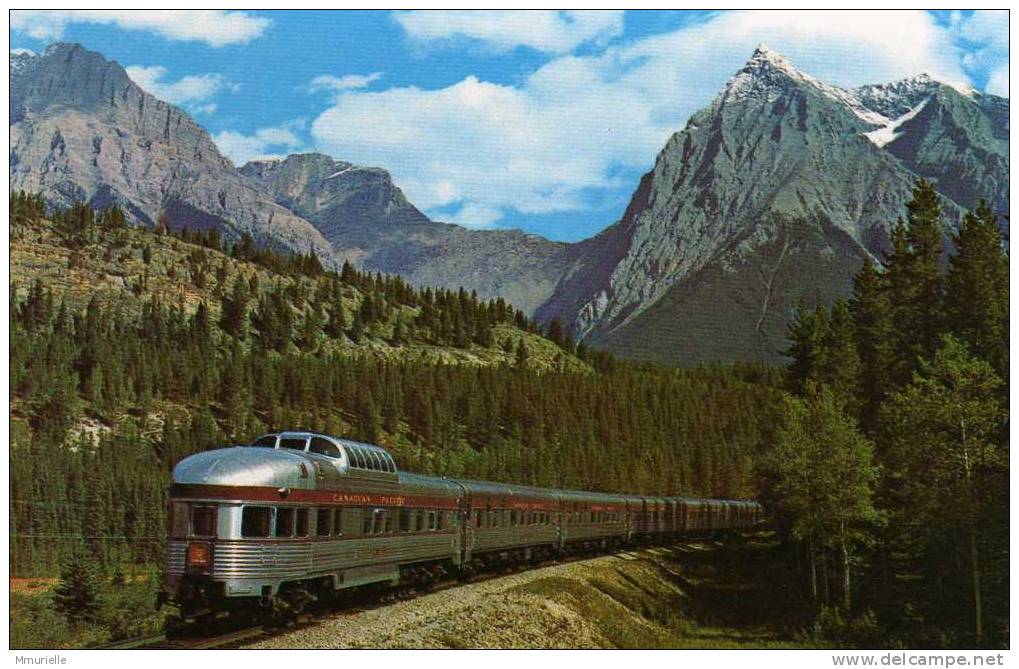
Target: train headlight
(199,556)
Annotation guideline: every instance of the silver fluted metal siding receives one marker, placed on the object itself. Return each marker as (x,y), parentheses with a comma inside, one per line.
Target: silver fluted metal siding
(176,555)
(246,559)
(496,538)
(580,531)
(277,561)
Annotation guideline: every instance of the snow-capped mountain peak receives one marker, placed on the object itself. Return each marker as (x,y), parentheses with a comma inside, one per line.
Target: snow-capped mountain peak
(768,72)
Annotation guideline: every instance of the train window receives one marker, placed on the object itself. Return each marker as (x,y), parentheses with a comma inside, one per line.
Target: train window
(203,521)
(387,517)
(405,520)
(477,518)
(302,523)
(324,522)
(324,447)
(440,520)
(493,518)
(178,519)
(337,522)
(420,517)
(431,520)
(284,521)
(294,444)
(359,459)
(268,441)
(256,521)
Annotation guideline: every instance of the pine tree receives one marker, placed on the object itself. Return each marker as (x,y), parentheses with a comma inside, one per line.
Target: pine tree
(871,312)
(521,355)
(839,361)
(915,282)
(337,323)
(977,289)
(926,242)
(77,594)
(806,336)
(234,319)
(311,330)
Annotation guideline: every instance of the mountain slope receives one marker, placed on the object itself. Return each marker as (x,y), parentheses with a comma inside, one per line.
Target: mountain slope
(369,221)
(82,130)
(775,192)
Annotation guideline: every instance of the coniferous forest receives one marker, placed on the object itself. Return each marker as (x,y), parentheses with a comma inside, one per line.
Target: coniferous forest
(880,452)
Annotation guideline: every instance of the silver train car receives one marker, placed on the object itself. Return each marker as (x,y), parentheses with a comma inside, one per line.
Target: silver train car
(296,516)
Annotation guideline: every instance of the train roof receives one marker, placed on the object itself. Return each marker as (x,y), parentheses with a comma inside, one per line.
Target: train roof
(350,456)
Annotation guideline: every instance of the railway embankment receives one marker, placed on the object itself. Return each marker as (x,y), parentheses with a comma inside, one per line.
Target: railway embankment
(693,595)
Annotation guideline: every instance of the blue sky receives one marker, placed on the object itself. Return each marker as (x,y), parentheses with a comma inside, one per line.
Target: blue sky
(542,121)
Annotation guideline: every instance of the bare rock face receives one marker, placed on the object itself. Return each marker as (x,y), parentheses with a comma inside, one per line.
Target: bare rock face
(82,130)
(369,221)
(775,192)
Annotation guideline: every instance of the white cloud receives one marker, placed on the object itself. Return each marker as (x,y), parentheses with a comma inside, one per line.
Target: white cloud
(186,91)
(263,144)
(328,82)
(985,34)
(547,143)
(549,31)
(476,216)
(207,108)
(997,83)
(214,27)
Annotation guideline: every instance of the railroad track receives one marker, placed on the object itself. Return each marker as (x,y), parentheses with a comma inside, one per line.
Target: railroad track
(363,602)
(162,642)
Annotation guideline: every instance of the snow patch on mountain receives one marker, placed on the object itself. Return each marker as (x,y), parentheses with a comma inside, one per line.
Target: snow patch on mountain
(889,133)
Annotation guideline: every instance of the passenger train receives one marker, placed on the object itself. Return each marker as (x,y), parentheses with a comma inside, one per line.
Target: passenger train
(297,516)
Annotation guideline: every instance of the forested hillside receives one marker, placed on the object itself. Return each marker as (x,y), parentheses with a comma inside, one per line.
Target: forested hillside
(131,349)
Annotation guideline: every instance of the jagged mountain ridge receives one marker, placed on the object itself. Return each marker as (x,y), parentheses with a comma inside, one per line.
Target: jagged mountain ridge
(82,130)
(369,221)
(776,191)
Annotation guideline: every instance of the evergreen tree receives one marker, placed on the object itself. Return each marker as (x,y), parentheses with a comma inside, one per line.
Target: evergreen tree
(521,355)
(871,312)
(234,320)
(926,242)
(916,284)
(839,362)
(806,336)
(977,289)
(77,594)
(337,323)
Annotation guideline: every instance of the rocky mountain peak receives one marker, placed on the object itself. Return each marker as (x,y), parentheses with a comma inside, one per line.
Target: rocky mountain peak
(765,69)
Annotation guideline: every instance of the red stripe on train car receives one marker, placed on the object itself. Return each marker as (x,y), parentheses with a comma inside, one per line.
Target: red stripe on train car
(302,496)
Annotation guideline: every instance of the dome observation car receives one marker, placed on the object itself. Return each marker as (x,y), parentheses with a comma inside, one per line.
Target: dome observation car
(351,455)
